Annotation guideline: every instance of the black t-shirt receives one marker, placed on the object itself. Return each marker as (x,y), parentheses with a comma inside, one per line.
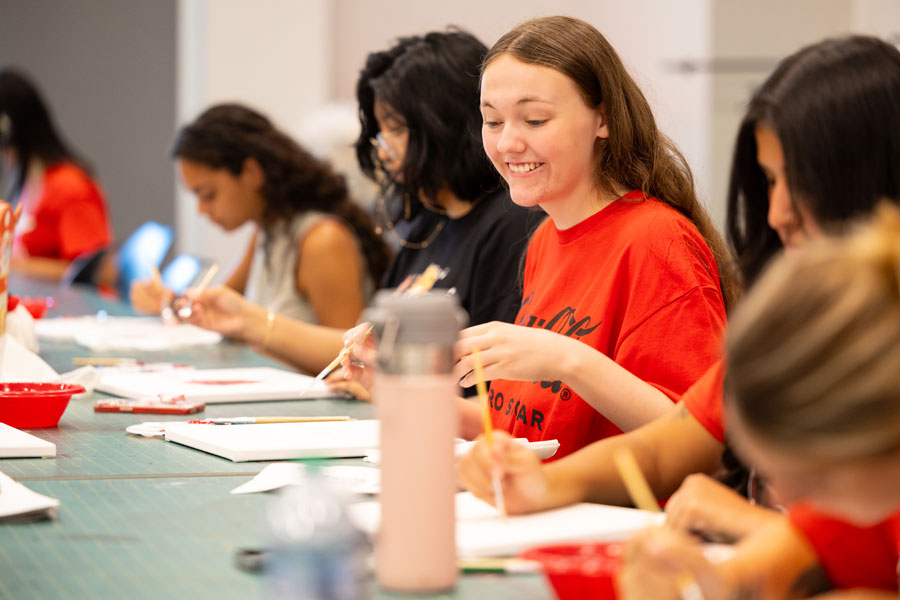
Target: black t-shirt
(482,252)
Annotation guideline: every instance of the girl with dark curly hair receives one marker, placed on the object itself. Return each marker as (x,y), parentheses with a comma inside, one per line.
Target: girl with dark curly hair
(315,255)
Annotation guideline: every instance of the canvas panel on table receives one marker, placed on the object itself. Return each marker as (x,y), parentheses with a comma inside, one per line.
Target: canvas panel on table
(15,443)
(278,441)
(214,385)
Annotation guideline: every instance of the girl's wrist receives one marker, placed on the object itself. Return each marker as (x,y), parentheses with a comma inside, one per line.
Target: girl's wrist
(270,327)
(761,517)
(256,325)
(574,362)
(560,488)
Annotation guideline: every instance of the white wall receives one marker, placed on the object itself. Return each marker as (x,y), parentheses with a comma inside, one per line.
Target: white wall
(648,34)
(878,17)
(698,61)
(748,40)
(274,55)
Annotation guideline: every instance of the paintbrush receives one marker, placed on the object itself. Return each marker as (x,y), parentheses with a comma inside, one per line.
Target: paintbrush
(334,363)
(185,312)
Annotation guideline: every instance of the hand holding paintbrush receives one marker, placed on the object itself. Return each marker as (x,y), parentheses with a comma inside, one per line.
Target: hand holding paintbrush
(359,334)
(186,308)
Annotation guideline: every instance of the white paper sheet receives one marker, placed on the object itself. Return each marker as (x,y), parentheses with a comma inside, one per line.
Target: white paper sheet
(214,386)
(125,333)
(15,443)
(544,449)
(482,531)
(354,480)
(17,501)
(20,325)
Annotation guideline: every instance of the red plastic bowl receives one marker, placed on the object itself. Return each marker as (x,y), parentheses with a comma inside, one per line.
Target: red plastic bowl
(580,570)
(35,404)
(38,305)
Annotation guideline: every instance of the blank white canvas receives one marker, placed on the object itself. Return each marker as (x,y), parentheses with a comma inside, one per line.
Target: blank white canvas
(278,441)
(15,443)
(254,384)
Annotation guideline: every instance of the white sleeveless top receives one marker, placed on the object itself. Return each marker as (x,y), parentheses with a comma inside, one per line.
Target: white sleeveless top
(273,283)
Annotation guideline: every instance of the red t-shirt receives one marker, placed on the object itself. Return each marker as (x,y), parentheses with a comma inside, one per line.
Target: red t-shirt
(64,217)
(704,400)
(852,556)
(635,281)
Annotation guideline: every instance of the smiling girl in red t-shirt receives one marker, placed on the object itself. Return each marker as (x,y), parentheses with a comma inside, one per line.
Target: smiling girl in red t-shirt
(622,304)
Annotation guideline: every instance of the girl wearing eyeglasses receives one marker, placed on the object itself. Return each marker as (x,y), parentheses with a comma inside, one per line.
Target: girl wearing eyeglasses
(442,201)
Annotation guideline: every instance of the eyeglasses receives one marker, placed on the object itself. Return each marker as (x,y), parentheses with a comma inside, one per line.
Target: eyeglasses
(380,143)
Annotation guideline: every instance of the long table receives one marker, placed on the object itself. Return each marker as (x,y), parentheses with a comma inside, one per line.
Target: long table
(143,518)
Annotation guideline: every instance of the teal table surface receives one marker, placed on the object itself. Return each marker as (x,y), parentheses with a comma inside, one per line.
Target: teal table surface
(145,518)
(158,538)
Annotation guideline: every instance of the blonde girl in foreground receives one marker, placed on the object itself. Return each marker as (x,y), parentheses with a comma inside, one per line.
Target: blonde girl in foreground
(813,401)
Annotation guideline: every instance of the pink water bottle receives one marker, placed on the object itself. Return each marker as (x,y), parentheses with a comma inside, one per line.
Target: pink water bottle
(414,395)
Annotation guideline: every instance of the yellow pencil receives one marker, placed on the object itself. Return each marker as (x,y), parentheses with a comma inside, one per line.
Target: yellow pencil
(488,426)
(637,486)
(643,498)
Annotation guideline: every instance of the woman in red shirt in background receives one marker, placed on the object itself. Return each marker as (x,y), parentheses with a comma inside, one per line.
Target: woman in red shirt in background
(63,209)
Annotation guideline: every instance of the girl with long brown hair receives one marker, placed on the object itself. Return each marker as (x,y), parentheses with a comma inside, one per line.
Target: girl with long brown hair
(626,284)
(784,173)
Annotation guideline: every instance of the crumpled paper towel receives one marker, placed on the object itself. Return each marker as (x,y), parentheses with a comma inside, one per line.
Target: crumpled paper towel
(18,363)
(20,325)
